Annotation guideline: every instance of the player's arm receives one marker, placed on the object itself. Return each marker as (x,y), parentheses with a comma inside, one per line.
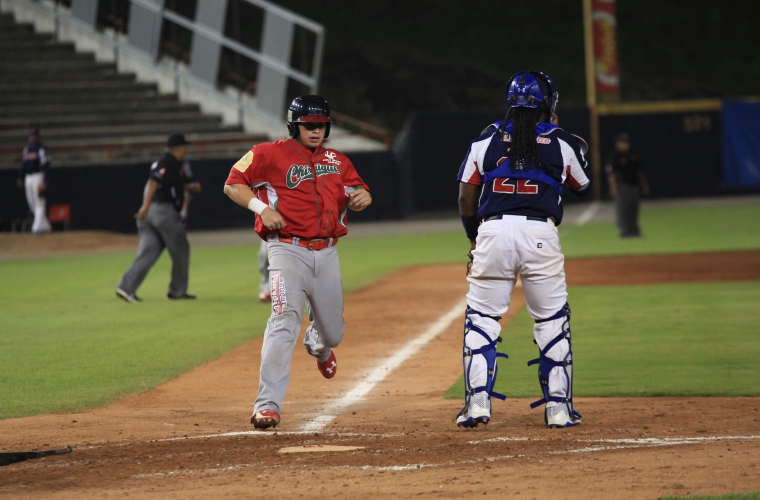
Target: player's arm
(359,199)
(44,168)
(356,189)
(468,210)
(150,190)
(644,183)
(243,196)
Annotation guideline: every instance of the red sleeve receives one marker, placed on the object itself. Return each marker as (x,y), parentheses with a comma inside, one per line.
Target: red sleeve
(250,169)
(350,177)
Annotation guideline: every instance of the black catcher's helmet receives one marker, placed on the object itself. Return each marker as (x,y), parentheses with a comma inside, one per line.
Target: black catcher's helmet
(308,109)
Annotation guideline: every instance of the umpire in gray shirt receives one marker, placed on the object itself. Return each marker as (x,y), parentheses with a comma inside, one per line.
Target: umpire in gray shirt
(159,224)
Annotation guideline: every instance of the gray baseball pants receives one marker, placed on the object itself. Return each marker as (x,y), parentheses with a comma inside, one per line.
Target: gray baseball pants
(627,209)
(162,228)
(297,277)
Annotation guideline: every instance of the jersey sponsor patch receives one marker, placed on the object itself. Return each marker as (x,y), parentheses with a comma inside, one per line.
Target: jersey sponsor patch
(330,158)
(244,162)
(277,289)
(299,173)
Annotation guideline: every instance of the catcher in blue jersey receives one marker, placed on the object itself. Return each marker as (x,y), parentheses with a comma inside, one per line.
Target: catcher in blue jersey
(510,200)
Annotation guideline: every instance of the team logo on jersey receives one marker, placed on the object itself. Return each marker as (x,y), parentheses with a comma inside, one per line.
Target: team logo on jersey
(277,289)
(539,139)
(244,162)
(330,158)
(299,173)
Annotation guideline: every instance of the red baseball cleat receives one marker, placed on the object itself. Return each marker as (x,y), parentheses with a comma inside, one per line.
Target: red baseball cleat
(329,367)
(265,419)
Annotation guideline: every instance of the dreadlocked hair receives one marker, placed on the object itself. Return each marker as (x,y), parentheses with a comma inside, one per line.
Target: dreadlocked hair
(524,149)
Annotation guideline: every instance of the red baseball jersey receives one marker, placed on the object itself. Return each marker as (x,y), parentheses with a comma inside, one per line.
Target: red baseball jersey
(308,189)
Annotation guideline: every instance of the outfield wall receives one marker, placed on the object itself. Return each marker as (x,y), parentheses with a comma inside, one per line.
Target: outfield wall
(680,149)
(106,197)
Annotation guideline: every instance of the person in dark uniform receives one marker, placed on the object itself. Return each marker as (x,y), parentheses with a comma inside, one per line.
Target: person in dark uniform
(627,183)
(32,177)
(160,226)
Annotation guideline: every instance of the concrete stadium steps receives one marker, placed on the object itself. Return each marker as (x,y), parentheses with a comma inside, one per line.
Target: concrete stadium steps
(43,52)
(10,137)
(146,149)
(36,79)
(121,117)
(127,96)
(70,87)
(159,104)
(79,103)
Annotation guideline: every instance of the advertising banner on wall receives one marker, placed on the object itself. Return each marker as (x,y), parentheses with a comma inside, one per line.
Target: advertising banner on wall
(606,72)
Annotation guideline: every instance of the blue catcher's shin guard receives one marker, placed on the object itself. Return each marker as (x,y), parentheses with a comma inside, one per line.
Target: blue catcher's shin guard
(477,406)
(562,414)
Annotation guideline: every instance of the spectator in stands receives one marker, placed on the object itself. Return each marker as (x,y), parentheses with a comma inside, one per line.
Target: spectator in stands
(627,183)
(32,177)
(160,226)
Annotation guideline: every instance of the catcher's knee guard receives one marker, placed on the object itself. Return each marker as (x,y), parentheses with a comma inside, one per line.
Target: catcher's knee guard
(480,339)
(546,364)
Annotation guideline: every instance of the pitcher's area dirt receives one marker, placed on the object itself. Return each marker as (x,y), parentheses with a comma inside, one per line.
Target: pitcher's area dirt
(190,438)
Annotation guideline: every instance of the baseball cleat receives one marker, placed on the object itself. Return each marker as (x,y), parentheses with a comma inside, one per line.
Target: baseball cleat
(558,416)
(265,297)
(129,297)
(478,411)
(184,296)
(329,368)
(264,419)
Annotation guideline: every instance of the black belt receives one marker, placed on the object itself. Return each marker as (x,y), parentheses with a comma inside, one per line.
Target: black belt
(528,217)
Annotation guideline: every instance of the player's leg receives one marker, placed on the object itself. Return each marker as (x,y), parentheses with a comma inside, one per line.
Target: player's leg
(491,282)
(36,202)
(164,217)
(289,269)
(263,257)
(543,279)
(629,198)
(325,292)
(149,250)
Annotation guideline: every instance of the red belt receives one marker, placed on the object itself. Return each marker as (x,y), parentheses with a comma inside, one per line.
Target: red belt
(310,244)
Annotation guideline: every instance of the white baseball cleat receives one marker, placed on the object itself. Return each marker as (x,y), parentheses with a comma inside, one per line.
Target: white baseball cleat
(477,412)
(558,416)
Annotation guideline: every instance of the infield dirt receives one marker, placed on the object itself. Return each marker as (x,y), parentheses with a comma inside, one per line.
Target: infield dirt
(191,438)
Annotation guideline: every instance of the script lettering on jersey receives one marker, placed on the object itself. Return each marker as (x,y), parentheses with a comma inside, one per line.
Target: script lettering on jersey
(299,173)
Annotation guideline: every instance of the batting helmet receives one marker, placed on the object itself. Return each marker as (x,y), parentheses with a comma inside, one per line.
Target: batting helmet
(531,89)
(308,109)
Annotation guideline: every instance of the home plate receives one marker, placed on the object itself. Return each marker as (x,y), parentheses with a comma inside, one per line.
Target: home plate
(318,448)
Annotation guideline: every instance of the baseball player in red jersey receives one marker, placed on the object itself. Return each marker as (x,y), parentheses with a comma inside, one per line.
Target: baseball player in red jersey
(300,192)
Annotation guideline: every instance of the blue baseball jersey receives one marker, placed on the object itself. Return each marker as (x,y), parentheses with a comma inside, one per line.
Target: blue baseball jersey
(35,159)
(535,191)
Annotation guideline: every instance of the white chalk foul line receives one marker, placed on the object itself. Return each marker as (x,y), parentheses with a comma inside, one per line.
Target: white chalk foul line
(385,368)
(588,214)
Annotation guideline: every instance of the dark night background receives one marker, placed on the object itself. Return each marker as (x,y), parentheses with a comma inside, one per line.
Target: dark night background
(383,59)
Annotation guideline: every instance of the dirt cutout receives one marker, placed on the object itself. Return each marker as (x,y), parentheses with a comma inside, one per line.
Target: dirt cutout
(191,437)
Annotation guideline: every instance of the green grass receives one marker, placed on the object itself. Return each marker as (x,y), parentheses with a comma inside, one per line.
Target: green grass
(691,339)
(752,495)
(670,230)
(66,342)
